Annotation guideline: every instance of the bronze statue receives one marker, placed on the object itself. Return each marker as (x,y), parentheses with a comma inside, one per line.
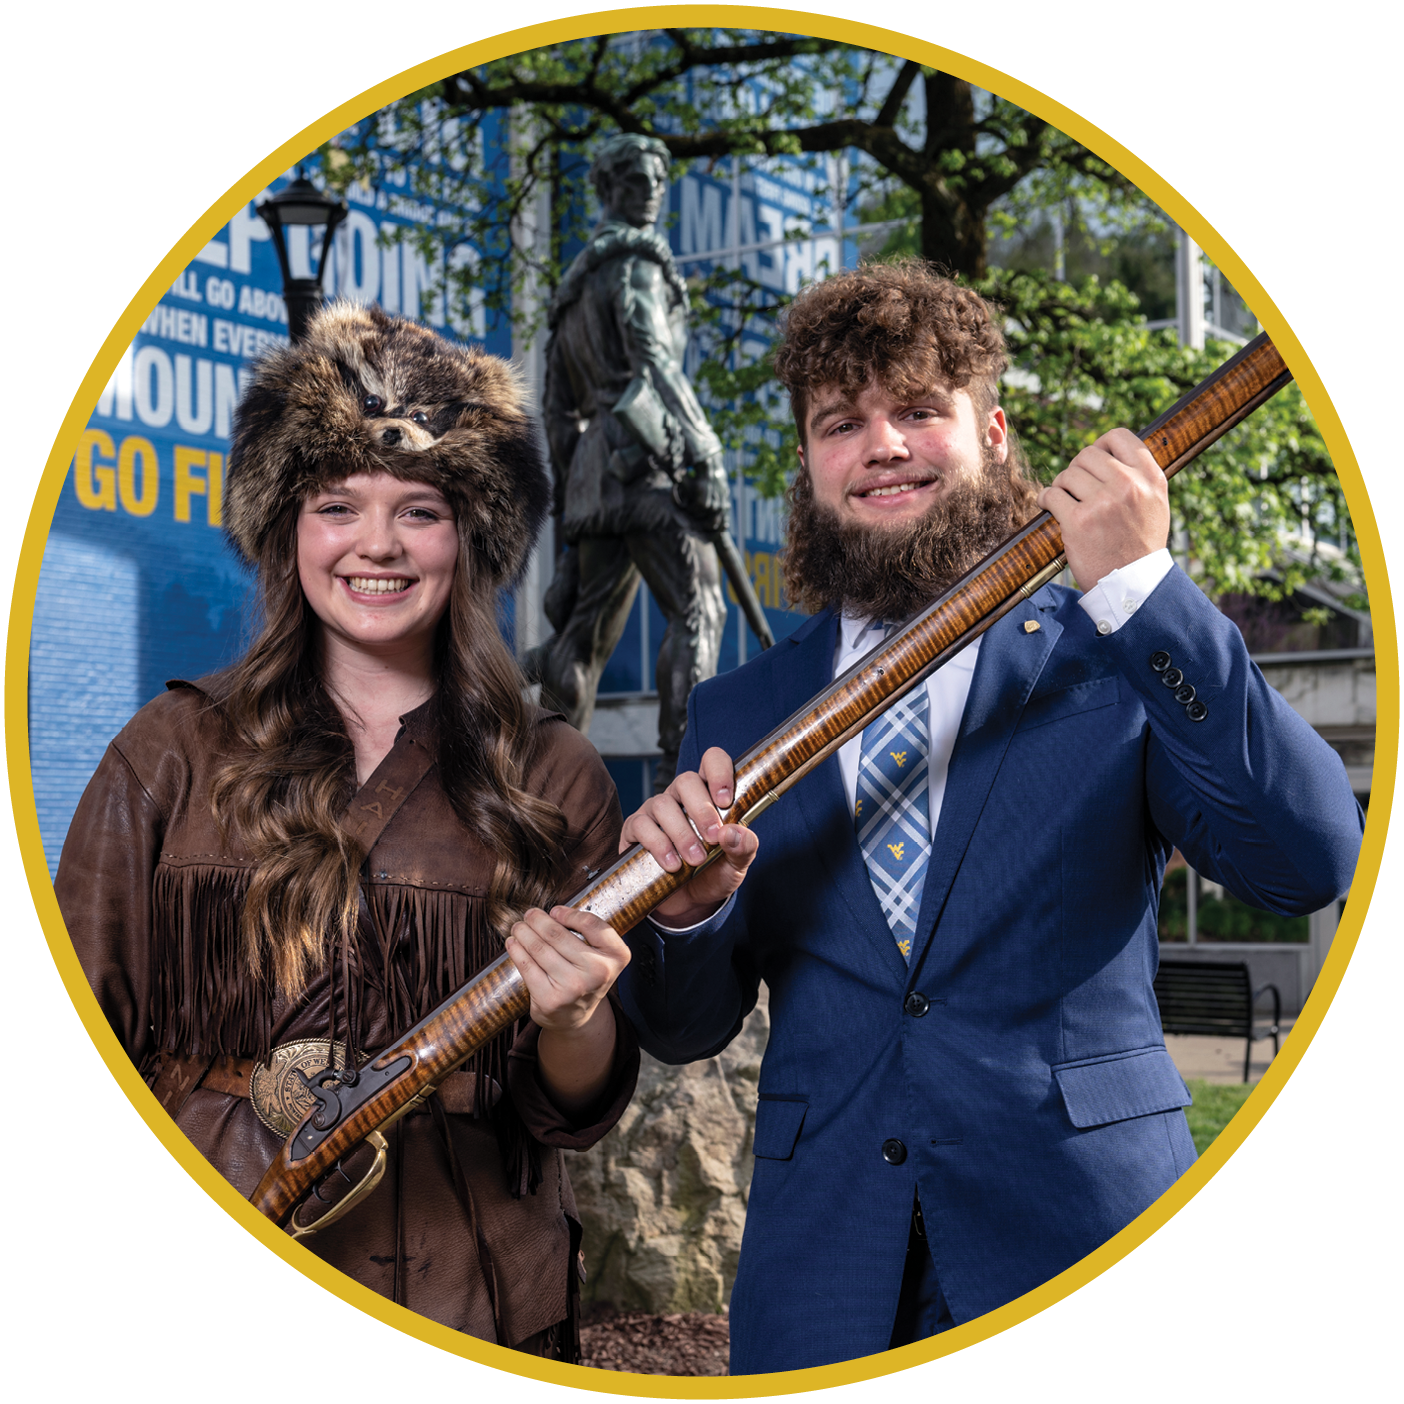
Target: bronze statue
(640,487)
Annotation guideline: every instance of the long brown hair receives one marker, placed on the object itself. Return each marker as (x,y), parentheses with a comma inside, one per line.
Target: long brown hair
(291,772)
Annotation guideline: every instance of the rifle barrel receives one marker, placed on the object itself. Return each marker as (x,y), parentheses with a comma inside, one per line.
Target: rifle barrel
(626,892)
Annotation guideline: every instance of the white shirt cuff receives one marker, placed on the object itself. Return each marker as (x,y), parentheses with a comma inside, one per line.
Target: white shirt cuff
(716,919)
(1118,595)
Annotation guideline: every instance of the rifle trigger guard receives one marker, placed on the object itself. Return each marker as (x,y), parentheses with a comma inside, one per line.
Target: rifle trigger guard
(358,1192)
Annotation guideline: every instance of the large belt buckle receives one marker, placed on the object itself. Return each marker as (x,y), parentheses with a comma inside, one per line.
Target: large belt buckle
(281,1098)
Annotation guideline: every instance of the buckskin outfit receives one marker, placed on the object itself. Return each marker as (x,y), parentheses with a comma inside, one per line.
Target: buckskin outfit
(150,894)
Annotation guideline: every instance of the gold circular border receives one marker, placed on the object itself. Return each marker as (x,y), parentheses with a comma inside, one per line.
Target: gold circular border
(613,22)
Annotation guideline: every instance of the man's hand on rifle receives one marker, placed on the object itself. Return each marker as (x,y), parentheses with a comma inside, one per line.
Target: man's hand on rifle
(662,827)
(1112,504)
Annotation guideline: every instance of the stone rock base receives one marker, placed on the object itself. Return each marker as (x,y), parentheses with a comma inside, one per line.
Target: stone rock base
(663,1196)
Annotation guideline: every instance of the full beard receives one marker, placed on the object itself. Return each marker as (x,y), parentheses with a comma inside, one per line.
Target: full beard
(891,573)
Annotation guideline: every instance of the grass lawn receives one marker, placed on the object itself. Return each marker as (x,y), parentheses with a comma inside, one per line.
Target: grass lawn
(1214,1104)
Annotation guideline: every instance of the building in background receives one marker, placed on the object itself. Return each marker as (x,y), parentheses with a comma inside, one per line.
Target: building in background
(137,585)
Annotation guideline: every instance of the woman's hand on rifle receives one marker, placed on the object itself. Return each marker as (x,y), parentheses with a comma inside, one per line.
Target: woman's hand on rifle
(668,826)
(569,960)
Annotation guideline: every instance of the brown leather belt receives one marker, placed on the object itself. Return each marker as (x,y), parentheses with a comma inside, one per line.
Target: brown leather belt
(457,1091)
(230,1075)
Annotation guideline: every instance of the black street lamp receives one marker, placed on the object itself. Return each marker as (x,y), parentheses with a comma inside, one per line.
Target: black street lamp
(300,202)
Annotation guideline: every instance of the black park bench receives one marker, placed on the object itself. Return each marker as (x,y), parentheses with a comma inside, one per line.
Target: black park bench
(1214,997)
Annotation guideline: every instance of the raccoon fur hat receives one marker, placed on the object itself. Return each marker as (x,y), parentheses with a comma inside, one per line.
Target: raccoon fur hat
(366,392)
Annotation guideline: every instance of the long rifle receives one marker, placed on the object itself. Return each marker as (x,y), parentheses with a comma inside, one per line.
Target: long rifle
(352,1107)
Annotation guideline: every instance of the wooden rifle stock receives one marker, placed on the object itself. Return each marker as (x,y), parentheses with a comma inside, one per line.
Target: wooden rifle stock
(404,1075)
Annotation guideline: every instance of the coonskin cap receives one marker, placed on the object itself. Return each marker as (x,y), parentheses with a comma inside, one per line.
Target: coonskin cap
(365,392)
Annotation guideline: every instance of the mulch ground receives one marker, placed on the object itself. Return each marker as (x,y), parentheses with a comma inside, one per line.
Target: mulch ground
(684,1343)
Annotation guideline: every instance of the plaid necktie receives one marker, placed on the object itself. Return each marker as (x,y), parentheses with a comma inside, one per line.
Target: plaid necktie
(891,812)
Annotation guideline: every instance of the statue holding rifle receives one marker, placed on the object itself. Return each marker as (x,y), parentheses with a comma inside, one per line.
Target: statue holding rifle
(640,487)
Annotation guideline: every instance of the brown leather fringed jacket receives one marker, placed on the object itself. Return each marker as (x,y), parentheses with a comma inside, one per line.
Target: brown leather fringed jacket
(150,896)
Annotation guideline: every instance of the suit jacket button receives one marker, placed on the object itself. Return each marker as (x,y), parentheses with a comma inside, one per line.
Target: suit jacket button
(893,1151)
(1196,711)
(916,1004)
(1171,677)
(1159,661)
(1185,695)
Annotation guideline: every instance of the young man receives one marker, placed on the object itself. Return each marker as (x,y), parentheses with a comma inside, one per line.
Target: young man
(966,1088)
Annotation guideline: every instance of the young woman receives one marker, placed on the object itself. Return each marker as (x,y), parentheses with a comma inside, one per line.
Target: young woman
(321,843)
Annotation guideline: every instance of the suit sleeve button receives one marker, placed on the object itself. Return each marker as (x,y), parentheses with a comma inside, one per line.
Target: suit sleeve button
(1159,661)
(916,1004)
(893,1151)
(1171,677)
(1196,711)
(1184,695)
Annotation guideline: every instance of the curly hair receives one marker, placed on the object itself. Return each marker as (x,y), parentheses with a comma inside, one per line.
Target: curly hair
(900,325)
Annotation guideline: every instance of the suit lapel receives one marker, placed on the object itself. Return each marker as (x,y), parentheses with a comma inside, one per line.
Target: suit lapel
(822,801)
(1011,659)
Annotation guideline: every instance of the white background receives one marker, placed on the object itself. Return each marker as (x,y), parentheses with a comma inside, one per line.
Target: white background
(126,124)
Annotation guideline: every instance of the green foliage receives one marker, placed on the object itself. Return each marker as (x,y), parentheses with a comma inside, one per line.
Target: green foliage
(1261,512)
(1213,1108)
(1264,499)
(1223,918)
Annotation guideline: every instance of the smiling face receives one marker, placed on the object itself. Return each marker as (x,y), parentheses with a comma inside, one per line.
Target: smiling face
(877,461)
(376,558)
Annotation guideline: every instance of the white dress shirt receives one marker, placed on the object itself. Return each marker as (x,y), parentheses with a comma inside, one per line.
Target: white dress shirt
(1114,599)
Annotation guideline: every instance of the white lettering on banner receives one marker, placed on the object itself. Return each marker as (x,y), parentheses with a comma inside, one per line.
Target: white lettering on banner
(766,519)
(245,229)
(226,396)
(187,286)
(701,229)
(118,395)
(177,324)
(826,256)
(746,234)
(255,302)
(234,339)
(390,271)
(415,211)
(770,226)
(360,278)
(799,264)
(467,312)
(153,367)
(194,414)
(457,160)
(214,252)
(420,278)
(219,292)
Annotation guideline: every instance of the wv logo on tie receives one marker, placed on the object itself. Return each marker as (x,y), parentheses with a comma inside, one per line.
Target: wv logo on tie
(892,814)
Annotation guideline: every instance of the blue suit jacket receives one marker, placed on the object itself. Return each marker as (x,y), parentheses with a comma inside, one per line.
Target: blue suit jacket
(1036,1104)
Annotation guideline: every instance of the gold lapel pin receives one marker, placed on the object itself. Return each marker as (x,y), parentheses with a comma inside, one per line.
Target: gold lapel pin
(1031,626)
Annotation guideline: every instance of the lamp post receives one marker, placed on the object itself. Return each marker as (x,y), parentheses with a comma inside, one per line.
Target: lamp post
(301,203)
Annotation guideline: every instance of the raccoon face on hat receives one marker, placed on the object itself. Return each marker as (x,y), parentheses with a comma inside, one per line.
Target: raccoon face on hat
(365,392)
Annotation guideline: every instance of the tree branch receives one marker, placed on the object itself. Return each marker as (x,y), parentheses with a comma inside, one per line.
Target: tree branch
(897,95)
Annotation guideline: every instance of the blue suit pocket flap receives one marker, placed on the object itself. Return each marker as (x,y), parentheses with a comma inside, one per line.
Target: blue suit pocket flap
(1122,1085)
(778,1122)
